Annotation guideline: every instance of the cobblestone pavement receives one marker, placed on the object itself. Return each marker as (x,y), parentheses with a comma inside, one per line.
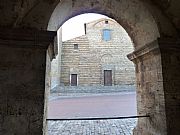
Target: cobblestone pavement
(94,127)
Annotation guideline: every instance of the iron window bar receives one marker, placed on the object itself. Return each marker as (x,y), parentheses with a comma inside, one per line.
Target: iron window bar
(101,118)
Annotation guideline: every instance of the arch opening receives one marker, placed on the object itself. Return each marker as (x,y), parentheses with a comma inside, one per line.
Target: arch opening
(27,35)
(141,26)
(101,68)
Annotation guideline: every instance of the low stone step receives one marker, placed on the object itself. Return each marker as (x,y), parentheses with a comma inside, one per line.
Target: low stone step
(93,89)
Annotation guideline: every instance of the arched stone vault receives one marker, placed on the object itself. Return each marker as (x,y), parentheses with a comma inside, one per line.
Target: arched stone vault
(144,23)
(139,18)
(132,15)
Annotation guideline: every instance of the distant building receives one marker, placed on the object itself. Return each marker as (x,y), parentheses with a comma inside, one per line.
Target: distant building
(98,57)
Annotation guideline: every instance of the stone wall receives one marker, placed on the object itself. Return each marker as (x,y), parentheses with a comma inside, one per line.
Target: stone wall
(170,50)
(23,70)
(94,55)
(150,94)
(55,64)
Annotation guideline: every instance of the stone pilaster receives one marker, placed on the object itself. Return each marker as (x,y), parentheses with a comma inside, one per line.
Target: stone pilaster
(150,91)
(158,84)
(170,55)
(23,65)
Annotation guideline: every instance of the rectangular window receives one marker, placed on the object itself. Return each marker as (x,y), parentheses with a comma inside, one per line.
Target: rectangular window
(106,22)
(106,34)
(75,46)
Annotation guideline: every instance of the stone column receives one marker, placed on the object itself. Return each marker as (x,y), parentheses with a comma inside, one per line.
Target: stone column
(23,56)
(170,55)
(158,87)
(150,91)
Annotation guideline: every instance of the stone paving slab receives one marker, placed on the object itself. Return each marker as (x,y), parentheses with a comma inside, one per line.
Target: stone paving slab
(92,127)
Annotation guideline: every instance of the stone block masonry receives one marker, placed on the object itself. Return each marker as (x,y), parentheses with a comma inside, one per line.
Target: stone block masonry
(94,54)
(23,70)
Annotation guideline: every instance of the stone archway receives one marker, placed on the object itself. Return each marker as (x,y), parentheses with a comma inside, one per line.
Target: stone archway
(143,30)
(133,16)
(157,60)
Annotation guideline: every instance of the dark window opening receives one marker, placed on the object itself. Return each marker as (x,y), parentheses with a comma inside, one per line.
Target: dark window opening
(75,46)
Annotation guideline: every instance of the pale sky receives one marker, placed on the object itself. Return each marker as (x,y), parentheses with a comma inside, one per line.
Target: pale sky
(74,27)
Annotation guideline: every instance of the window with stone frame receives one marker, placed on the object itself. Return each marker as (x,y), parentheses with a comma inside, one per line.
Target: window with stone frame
(106,34)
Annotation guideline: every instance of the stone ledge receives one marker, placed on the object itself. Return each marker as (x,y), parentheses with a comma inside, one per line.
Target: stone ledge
(153,46)
(160,44)
(26,37)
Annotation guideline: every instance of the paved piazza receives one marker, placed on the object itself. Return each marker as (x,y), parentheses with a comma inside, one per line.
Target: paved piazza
(118,105)
(93,127)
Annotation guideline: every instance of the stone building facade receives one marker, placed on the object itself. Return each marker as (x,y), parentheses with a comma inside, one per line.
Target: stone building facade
(99,57)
